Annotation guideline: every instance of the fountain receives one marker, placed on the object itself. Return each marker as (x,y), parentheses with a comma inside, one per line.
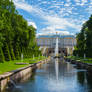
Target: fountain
(56,47)
(56,60)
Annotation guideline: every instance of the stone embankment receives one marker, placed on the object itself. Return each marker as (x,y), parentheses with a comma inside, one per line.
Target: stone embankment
(19,75)
(81,65)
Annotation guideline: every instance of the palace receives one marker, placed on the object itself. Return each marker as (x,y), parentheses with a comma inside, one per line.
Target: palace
(47,43)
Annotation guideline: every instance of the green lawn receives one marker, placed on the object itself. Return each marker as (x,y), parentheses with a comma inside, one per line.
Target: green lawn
(10,65)
(86,60)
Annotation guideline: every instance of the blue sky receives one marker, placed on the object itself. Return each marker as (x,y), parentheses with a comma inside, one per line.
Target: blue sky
(51,16)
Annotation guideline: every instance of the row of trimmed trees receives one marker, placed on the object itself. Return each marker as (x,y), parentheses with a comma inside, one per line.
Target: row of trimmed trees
(84,40)
(16,36)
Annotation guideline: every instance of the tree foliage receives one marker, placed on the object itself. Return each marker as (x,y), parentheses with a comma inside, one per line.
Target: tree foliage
(84,39)
(16,36)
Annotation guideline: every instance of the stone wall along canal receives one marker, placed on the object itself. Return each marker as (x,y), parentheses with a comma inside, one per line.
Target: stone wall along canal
(56,76)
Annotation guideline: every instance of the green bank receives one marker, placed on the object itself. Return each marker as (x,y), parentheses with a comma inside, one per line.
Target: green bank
(85,60)
(11,65)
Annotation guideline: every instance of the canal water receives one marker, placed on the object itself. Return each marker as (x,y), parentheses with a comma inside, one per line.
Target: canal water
(57,76)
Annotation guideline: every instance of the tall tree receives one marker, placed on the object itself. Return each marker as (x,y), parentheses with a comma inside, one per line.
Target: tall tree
(16,36)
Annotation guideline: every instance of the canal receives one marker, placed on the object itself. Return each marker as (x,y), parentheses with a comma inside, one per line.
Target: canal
(57,76)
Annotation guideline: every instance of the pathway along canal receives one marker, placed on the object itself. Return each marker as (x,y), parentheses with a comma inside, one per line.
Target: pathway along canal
(57,76)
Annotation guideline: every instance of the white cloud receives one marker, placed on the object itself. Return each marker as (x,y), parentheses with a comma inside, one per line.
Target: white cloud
(19,0)
(90,1)
(51,31)
(84,1)
(61,23)
(89,9)
(81,2)
(67,5)
(77,1)
(27,7)
(33,24)
(22,5)
(53,20)
(68,0)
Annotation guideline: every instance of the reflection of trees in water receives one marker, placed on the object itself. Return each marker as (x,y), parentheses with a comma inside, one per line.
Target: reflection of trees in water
(89,81)
(15,90)
(85,79)
(81,77)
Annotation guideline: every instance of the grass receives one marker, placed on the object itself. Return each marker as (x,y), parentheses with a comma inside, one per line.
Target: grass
(10,65)
(86,60)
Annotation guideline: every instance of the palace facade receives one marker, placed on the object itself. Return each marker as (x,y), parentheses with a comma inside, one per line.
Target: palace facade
(47,43)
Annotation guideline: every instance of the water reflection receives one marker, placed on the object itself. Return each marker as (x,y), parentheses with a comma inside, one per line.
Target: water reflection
(56,68)
(69,79)
(89,82)
(81,77)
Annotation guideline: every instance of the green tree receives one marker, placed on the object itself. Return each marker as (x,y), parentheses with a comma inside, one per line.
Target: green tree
(84,39)
(18,36)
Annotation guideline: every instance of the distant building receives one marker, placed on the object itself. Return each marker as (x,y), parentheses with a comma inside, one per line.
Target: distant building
(47,43)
